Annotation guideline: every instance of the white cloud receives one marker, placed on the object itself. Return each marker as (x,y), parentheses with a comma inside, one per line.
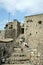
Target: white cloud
(35,6)
(27,6)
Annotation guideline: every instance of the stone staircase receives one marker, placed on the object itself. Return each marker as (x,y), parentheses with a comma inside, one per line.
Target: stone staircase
(18,57)
(18,38)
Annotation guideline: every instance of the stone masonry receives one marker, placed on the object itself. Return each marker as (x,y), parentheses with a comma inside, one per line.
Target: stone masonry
(12,29)
(32,32)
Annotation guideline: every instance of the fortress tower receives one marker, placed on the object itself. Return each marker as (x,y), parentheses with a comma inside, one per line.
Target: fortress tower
(33,30)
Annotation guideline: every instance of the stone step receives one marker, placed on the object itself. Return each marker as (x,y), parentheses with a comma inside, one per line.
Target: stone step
(18,64)
(17,50)
(18,54)
(18,58)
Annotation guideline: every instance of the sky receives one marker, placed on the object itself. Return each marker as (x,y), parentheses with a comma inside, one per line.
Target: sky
(18,9)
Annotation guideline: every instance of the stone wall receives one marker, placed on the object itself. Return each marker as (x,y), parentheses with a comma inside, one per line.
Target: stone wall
(33,30)
(17,27)
(40,48)
(8,26)
(6,46)
(2,34)
(10,33)
(12,29)
(0,55)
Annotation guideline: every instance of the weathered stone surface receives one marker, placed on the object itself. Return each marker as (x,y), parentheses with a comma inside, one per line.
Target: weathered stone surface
(32,31)
(2,34)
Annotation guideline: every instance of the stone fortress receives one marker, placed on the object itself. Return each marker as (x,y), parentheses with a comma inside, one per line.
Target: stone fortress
(32,33)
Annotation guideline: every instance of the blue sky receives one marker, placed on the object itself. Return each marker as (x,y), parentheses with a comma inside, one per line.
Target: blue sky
(18,9)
